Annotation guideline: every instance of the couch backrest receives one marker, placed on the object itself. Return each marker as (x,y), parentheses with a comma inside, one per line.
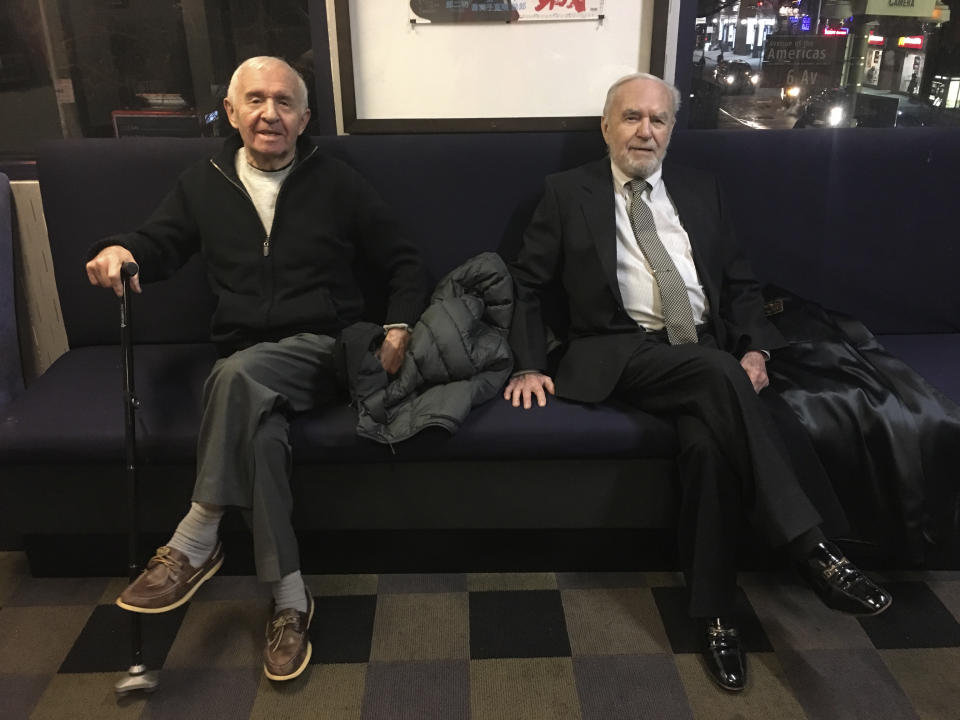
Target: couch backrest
(843,217)
(861,220)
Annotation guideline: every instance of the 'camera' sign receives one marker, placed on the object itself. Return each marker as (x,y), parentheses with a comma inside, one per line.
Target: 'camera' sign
(922,9)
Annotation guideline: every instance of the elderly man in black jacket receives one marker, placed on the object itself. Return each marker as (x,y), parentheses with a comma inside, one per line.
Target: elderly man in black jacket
(281,228)
(665,314)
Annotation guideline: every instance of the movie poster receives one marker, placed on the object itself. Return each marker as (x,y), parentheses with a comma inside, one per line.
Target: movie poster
(503,11)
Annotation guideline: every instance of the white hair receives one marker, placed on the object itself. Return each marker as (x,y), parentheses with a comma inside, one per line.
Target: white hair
(260,63)
(673,92)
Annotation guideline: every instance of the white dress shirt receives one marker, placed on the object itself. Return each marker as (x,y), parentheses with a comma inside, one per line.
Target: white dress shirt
(641,296)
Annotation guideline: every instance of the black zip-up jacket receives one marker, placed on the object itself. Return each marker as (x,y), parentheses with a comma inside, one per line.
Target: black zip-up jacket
(301,277)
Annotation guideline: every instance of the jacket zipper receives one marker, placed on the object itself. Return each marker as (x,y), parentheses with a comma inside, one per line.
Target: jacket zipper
(243,191)
(267,266)
(294,169)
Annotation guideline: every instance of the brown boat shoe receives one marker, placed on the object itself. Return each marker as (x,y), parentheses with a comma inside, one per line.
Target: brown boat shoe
(169,581)
(287,650)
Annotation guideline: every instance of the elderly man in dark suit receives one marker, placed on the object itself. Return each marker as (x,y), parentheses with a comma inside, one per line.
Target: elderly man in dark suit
(665,314)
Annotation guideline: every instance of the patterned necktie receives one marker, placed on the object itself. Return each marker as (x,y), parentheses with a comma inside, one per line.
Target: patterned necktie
(677,313)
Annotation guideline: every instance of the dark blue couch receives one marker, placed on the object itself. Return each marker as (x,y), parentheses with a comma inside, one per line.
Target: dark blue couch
(11,376)
(859,220)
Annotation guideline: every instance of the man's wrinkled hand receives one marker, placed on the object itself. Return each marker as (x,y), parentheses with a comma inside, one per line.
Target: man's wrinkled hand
(393,349)
(523,388)
(756,366)
(104,269)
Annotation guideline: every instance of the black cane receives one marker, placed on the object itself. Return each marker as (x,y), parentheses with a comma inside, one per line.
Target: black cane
(138,677)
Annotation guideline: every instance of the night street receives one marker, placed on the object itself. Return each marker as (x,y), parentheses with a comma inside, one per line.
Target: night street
(761,111)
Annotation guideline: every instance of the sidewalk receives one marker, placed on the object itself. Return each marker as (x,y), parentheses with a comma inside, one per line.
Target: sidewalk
(727,56)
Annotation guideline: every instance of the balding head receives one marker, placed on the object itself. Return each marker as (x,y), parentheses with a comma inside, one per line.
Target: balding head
(263,62)
(637,122)
(267,104)
(611,93)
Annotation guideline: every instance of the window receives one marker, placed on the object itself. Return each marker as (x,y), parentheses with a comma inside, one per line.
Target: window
(777,64)
(103,68)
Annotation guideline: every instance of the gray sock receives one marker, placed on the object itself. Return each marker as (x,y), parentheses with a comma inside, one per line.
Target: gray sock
(289,592)
(196,535)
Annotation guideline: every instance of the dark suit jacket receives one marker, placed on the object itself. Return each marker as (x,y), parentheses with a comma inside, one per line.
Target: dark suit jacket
(569,248)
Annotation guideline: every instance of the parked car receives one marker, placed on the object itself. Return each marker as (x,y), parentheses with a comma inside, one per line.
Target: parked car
(736,77)
(833,107)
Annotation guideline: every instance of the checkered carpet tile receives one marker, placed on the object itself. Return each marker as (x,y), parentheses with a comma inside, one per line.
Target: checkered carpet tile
(531,646)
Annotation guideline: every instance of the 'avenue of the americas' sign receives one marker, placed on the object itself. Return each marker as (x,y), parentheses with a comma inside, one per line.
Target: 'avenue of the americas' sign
(790,55)
(798,50)
(798,60)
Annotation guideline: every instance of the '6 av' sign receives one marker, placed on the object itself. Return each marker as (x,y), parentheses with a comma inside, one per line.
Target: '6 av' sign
(799,60)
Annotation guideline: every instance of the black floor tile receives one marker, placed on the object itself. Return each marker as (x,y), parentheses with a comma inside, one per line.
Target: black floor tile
(342,628)
(517,624)
(917,619)
(686,634)
(105,643)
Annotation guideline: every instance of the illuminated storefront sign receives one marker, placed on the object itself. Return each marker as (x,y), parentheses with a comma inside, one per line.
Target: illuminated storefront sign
(911,41)
(876,39)
(836,31)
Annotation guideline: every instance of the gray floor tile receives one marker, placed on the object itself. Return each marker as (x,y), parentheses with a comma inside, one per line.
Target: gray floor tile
(204,693)
(613,622)
(479,582)
(930,678)
(58,591)
(523,689)
(949,594)
(87,696)
(794,617)
(767,696)
(20,693)
(421,626)
(845,684)
(220,635)
(583,580)
(322,692)
(416,583)
(626,687)
(430,690)
(35,640)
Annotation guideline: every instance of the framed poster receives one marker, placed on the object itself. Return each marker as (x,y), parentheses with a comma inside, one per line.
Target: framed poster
(460,11)
(402,75)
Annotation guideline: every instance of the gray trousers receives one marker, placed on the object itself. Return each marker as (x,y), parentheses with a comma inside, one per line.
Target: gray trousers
(243,452)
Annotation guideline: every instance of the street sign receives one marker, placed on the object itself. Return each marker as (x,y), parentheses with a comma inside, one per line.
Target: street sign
(802,60)
(908,8)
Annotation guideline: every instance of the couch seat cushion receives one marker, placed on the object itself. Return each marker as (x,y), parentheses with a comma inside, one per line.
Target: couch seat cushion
(74,412)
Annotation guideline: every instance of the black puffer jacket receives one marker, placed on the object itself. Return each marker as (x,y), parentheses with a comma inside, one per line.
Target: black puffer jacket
(458,356)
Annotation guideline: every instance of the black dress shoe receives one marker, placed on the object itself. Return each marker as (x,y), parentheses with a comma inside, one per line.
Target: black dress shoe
(841,584)
(725,658)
